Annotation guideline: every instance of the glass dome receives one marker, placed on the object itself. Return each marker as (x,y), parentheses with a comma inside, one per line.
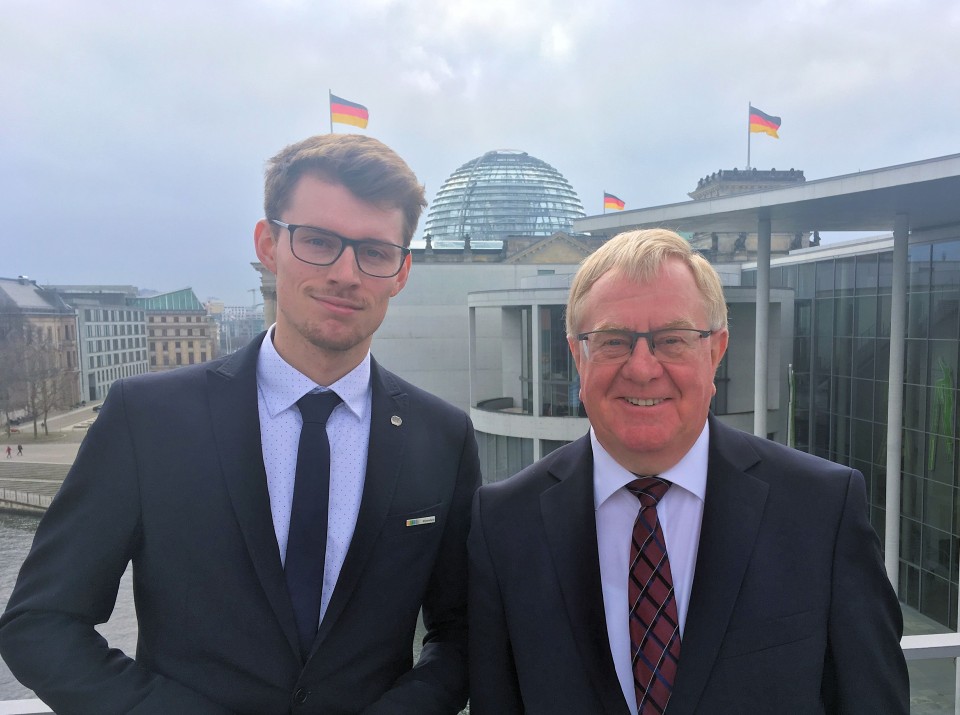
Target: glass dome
(500,194)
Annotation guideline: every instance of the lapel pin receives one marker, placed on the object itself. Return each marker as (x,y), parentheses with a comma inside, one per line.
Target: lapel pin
(422,520)
(396,421)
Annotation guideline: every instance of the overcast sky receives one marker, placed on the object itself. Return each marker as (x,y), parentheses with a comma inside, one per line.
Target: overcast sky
(133,135)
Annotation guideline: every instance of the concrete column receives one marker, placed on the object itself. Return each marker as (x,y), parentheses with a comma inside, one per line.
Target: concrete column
(898,335)
(472,353)
(536,372)
(763,328)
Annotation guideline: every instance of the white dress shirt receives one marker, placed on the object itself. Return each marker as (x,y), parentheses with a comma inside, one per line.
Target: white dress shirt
(680,513)
(279,386)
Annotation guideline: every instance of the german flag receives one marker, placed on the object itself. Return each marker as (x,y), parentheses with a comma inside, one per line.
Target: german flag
(612,202)
(345,112)
(763,123)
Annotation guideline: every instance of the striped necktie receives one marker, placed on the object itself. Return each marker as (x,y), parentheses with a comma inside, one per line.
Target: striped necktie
(654,625)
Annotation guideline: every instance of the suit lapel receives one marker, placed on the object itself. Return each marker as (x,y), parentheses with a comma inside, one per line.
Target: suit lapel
(571,530)
(232,389)
(384,457)
(732,512)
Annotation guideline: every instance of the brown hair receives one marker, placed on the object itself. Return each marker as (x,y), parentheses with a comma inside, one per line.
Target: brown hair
(369,169)
(639,255)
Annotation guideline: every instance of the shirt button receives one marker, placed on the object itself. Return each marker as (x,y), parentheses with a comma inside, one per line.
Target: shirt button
(300,697)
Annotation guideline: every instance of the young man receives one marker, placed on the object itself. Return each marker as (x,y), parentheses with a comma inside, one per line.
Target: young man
(665,561)
(280,559)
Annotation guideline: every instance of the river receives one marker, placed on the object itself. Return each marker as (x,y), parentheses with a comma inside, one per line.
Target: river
(16,535)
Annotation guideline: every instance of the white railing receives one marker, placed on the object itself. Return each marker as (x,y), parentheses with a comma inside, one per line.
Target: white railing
(15,496)
(924,647)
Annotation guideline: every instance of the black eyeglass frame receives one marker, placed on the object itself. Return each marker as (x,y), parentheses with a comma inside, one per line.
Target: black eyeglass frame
(344,242)
(635,337)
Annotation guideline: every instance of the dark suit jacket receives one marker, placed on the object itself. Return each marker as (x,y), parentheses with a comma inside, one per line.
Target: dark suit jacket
(790,611)
(171,477)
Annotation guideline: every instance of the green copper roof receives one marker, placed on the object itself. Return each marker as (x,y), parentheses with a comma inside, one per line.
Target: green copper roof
(178,300)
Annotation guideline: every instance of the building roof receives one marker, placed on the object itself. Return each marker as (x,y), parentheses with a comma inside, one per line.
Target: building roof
(926,191)
(22,295)
(175,301)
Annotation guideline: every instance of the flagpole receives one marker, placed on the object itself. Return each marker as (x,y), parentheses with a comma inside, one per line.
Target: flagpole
(749,108)
(330,109)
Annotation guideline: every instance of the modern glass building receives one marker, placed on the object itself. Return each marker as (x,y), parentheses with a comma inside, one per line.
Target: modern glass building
(501,194)
(841,360)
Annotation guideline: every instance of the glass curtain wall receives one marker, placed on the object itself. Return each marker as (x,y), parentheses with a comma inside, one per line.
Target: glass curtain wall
(841,363)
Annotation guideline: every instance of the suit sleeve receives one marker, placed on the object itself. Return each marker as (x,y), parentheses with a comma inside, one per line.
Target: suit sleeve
(865,670)
(494,689)
(69,583)
(437,684)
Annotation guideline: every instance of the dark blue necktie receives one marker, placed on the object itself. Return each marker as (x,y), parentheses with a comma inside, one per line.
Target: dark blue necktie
(307,538)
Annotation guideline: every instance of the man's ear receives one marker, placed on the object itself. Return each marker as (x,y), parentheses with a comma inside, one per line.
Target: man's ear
(265,244)
(401,277)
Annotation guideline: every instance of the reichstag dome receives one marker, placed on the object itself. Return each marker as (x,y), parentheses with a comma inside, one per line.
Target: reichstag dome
(502,193)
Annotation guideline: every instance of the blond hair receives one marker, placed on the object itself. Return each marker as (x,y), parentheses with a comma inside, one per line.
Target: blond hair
(639,256)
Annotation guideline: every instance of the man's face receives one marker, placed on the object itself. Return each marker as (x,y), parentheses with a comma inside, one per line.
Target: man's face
(645,413)
(334,309)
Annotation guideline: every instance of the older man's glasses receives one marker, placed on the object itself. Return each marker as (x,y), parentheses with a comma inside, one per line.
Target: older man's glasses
(670,345)
(320,247)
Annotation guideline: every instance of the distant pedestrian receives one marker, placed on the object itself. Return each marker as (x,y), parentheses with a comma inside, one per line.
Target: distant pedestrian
(19,450)
(9,451)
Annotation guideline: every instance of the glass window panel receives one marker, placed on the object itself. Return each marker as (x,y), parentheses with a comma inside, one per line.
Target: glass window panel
(842,356)
(862,403)
(882,367)
(911,501)
(915,371)
(915,405)
(918,267)
(885,269)
(802,317)
(913,452)
(934,597)
(912,590)
(866,280)
(880,448)
(910,540)
(936,547)
(845,278)
(946,263)
(918,315)
(844,323)
(825,271)
(862,441)
(801,354)
(866,316)
(807,280)
(840,447)
(945,314)
(864,357)
(883,324)
(938,504)
(790,277)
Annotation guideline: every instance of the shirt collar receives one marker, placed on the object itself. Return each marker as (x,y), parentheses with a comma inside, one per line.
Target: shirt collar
(281,384)
(690,473)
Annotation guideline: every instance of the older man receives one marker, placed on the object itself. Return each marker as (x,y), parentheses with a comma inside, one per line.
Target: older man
(665,561)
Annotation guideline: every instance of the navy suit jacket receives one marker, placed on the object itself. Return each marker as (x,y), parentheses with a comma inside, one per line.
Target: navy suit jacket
(171,477)
(790,612)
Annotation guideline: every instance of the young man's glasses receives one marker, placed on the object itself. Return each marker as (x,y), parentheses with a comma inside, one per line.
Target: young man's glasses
(320,247)
(667,345)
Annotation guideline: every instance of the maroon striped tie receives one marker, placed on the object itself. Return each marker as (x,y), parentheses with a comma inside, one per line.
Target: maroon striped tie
(654,626)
